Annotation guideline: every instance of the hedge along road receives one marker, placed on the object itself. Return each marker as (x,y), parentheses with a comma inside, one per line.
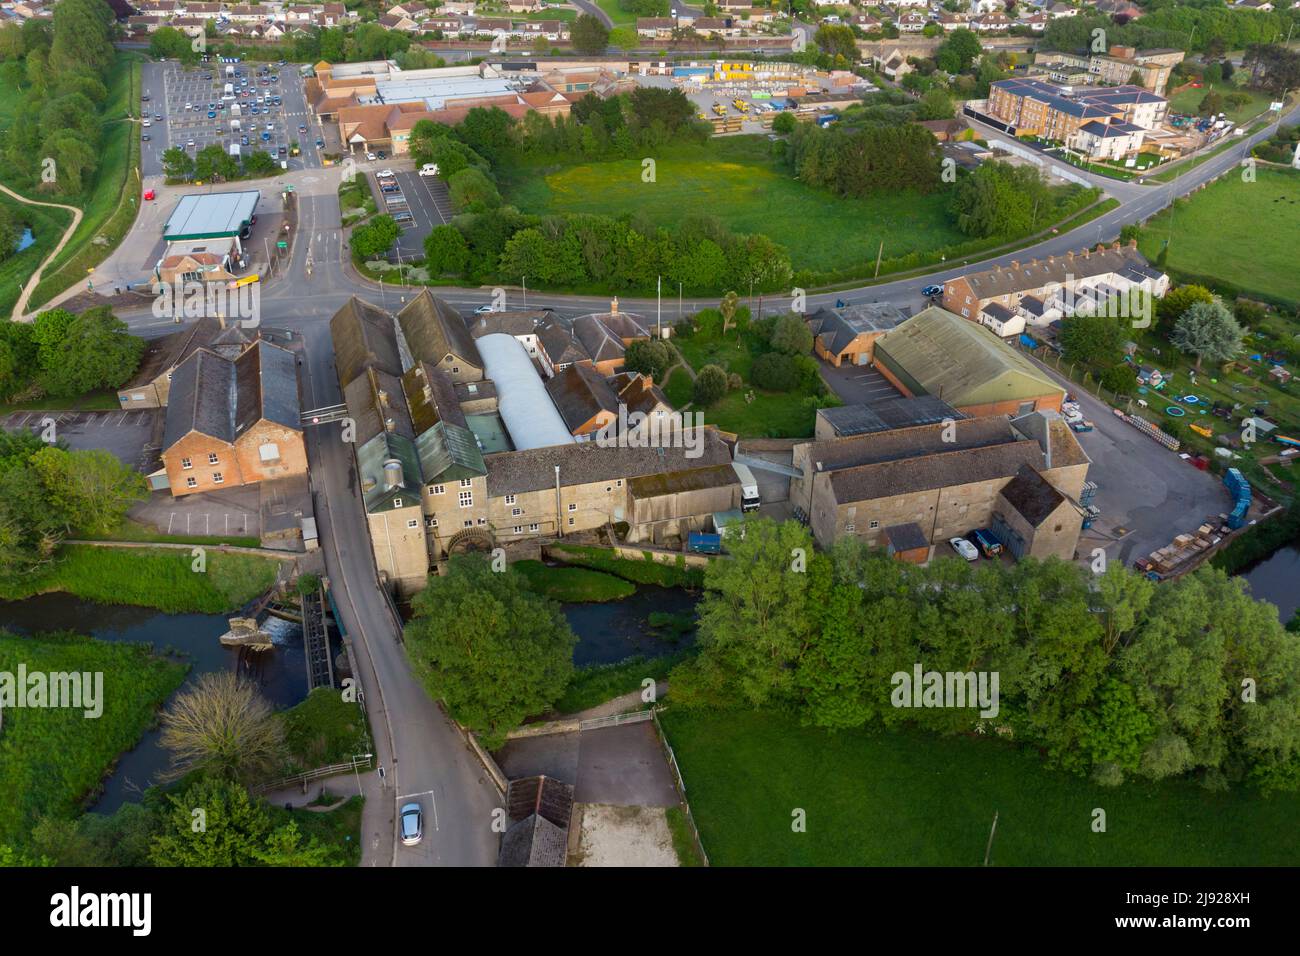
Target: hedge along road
(20,308)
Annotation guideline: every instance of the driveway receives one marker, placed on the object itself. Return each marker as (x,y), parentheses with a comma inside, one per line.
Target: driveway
(126,434)
(857,384)
(222,514)
(622,765)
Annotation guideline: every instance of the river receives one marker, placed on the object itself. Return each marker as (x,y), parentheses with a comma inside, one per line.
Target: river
(615,630)
(1276,579)
(281,673)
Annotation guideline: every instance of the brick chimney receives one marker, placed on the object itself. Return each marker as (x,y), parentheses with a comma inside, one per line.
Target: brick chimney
(1015,264)
(613,306)
(383,398)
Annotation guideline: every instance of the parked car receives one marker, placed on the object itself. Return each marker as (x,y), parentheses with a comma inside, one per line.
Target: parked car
(190,144)
(429,169)
(212,114)
(385,174)
(989,546)
(144,98)
(412,824)
(370,156)
(381,154)
(302,128)
(144,137)
(320,144)
(964,548)
(483,310)
(147,122)
(189,106)
(932,290)
(1082,425)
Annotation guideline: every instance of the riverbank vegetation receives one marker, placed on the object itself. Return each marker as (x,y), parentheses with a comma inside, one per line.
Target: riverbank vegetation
(642,570)
(162,578)
(573,585)
(324,729)
(52,758)
(488,646)
(597,683)
(1107,677)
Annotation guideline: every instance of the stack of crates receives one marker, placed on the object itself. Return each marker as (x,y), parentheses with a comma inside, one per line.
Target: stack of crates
(1088,493)
(1239,488)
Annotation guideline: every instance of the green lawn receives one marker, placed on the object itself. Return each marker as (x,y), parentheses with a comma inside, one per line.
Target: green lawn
(619,16)
(1243,233)
(734,180)
(573,585)
(910,799)
(643,571)
(1189,99)
(151,577)
(134,531)
(51,758)
(100,401)
(47,226)
(769,415)
(339,828)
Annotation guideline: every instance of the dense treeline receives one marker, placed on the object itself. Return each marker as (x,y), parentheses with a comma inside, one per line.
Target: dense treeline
(872,158)
(489,241)
(62,67)
(1108,675)
(65,354)
(1194,26)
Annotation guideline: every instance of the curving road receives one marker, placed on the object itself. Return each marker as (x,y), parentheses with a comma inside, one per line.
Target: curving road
(423,754)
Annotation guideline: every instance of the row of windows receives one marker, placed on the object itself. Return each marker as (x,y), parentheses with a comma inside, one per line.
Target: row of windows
(192,482)
(187,464)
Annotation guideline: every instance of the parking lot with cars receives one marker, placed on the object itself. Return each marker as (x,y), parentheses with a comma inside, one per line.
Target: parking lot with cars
(418,203)
(193,107)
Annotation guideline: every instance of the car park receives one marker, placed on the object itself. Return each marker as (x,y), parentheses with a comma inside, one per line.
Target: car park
(412,824)
(964,548)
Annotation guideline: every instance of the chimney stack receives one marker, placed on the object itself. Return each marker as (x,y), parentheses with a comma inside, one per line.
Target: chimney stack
(1016,264)
(383,398)
(613,306)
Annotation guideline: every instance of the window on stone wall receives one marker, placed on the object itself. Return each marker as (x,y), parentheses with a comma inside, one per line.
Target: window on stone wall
(217,478)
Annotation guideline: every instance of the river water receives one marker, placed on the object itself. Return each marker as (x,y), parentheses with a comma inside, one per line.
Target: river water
(616,630)
(281,672)
(1276,579)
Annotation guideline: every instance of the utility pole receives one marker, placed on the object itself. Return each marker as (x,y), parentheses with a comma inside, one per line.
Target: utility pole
(266,243)
(659,302)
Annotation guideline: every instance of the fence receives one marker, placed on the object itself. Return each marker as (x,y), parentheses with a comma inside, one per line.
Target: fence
(679,783)
(615,720)
(356,764)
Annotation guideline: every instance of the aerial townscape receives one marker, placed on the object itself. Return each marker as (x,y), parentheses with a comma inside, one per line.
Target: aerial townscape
(624,433)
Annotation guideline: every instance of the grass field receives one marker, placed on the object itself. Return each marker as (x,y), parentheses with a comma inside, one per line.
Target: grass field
(1243,233)
(133,531)
(47,226)
(152,577)
(638,571)
(573,585)
(734,180)
(905,799)
(1187,101)
(51,758)
(619,16)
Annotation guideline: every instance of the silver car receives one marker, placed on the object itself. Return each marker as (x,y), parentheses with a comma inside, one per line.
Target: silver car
(412,824)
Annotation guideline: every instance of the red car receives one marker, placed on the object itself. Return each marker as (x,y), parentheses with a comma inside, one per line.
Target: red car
(148,195)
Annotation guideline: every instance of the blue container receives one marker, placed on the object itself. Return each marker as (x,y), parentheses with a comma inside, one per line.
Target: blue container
(703,543)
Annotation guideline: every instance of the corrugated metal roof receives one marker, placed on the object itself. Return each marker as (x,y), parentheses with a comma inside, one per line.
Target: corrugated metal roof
(960,361)
(524,405)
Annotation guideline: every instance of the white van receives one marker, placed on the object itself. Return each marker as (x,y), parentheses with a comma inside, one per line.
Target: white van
(429,169)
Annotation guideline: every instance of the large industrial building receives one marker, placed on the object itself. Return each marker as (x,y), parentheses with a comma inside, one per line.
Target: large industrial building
(965,365)
(460,445)
(1019,477)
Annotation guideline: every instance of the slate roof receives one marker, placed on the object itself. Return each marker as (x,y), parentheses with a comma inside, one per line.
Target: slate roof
(1110,130)
(363,335)
(511,323)
(223,398)
(906,537)
(598,341)
(1033,305)
(901,412)
(533,842)
(1032,495)
(170,350)
(446,446)
(434,330)
(939,470)
(960,361)
(560,344)
(999,312)
(580,393)
(587,462)
(374,398)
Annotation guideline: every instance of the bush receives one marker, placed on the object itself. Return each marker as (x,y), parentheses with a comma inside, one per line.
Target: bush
(1119,379)
(710,385)
(650,357)
(775,372)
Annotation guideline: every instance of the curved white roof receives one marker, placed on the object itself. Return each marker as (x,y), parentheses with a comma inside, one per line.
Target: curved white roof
(522,400)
